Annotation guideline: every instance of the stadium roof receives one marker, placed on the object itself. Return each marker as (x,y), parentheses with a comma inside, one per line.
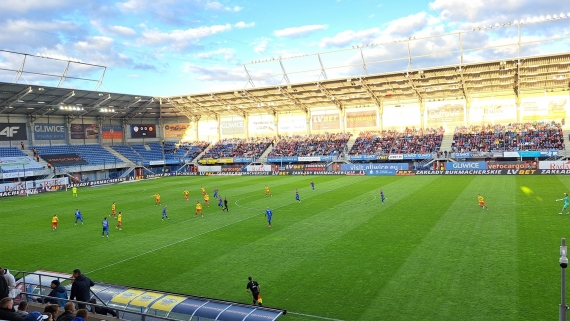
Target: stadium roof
(511,77)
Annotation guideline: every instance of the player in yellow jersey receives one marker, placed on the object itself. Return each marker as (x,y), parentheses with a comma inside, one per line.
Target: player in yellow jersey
(207,200)
(481,201)
(186,193)
(74,191)
(120,221)
(54,221)
(198,209)
(113,213)
(157,199)
(267,192)
(203,190)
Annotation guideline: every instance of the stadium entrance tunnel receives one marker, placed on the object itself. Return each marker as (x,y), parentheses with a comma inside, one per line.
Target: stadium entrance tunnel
(139,304)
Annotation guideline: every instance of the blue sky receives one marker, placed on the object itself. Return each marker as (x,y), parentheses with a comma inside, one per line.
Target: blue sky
(176,47)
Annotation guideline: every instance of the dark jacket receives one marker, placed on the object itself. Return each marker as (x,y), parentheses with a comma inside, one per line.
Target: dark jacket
(105,311)
(66,316)
(80,288)
(10,315)
(78,319)
(58,292)
(4,289)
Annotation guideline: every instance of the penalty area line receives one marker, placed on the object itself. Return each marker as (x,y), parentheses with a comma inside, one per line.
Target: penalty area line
(313,316)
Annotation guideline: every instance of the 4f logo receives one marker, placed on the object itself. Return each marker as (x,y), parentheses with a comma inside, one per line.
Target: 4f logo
(9,131)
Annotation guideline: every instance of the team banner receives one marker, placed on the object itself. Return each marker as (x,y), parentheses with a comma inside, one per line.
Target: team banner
(258,168)
(361,119)
(418,156)
(395,156)
(493,111)
(232,168)
(374,166)
(368,157)
(209,168)
(13,131)
(64,159)
(328,121)
(261,125)
(233,127)
(84,131)
(45,131)
(33,187)
(143,131)
(447,113)
(306,167)
(532,153)
(176,130)
(288,159)
(554,165)
(453,166)
(112,131)
(292,124)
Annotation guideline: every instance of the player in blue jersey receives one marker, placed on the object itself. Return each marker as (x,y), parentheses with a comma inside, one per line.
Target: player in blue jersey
(105,225)
(382,198)
(313,185)
(297,197)
(566,203)
(220,202)
(78,217)
(216,193)
(164,213)
(269,214)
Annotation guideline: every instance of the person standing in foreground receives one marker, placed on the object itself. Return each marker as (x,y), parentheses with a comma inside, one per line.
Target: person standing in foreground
(105,225)
(269,214)
(74,191)
(297,197)
(164,213)
(225,205)
(566,203)
(254,288)
(80,288)
(198,209)
(120,221)
(78,216)
(482,202)
(382,198)
(54,221)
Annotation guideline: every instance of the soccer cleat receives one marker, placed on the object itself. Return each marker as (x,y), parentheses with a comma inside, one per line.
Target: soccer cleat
(107,235)
(102,235)
(560,213)
(120,229)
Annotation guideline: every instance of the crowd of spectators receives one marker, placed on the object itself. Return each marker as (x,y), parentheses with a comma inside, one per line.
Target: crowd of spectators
(185,149)
(408,141)
(238,147)
(511,137)
(372,142)
(413,141)
(311,145)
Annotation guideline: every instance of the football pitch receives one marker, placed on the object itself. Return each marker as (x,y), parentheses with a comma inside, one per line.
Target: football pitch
(429,253)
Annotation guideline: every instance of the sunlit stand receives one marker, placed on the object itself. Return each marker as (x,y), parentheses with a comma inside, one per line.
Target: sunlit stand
(563,265)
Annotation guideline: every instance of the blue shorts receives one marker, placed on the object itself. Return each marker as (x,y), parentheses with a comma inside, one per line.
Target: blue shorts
(297,197)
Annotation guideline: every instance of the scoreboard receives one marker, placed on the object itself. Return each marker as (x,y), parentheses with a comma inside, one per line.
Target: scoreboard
(143,131)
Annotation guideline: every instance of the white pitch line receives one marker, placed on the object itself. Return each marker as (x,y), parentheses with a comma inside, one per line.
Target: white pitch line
(314,316)
(168,245)
(194,236)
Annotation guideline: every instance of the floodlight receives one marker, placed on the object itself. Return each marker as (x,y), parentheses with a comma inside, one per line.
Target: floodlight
(548,17)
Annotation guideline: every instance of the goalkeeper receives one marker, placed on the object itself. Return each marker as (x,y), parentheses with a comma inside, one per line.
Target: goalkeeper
(566,203)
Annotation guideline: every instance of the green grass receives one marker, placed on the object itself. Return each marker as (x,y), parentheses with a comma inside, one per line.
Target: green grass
(429,253)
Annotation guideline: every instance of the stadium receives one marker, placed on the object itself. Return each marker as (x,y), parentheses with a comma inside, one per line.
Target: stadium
(420,178)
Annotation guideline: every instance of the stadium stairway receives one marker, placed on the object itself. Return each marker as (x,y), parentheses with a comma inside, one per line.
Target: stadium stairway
(263,156)
(119,156)
(566,132)
(351,142)
(446,142)
(31,154)
(195,160)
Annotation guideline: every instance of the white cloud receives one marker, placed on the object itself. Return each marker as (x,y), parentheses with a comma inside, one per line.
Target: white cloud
(217,6)
(180,39)
(261,45)
(122,31)
(242,25)
(371,16)
(297,32)
(343,39)
(24,6)
(217,73)
(228,53)
(133,76)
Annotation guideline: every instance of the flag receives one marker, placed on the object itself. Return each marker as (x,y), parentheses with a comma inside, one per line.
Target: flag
(259,299)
